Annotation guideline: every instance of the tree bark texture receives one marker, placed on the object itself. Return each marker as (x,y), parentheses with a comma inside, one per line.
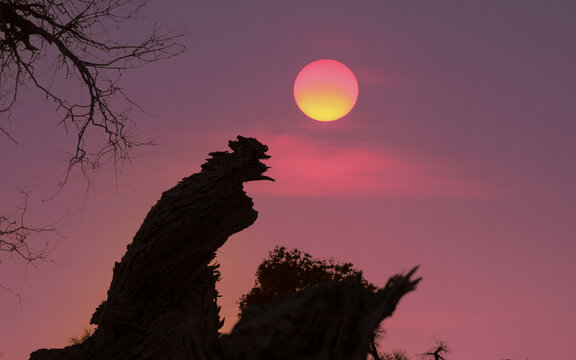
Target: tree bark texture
(161,302)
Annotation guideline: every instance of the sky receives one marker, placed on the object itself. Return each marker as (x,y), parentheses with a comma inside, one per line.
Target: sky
(458,157)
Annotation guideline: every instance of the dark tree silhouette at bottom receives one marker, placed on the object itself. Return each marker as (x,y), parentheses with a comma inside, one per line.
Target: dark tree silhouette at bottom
(289,272)
(162,304)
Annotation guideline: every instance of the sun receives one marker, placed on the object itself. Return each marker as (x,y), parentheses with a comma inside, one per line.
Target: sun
(326,90)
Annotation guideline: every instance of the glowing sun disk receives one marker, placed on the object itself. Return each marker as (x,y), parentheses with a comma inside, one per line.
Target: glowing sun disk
(325,90)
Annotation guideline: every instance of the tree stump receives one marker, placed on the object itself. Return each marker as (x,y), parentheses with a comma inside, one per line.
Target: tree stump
(161,302)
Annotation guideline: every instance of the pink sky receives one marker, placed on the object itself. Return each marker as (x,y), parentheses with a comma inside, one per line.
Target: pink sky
(459,157)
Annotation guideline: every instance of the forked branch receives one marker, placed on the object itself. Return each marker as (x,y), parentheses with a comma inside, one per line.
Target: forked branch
(73,40)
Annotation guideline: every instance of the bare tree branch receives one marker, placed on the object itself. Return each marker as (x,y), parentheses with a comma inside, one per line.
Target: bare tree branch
(14,234)
(15,239)
(12,292)
(77,38)
(438,352)
(44,43)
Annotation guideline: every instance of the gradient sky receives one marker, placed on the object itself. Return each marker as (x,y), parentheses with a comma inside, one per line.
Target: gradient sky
(459,157)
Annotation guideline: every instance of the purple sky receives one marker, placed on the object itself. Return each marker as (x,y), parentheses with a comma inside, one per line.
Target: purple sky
(459,156)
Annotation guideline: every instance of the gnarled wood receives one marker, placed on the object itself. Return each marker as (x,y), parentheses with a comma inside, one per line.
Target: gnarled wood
(162,300)
(161,303)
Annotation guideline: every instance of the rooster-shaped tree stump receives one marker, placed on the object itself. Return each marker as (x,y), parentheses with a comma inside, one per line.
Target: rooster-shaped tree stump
(161,303)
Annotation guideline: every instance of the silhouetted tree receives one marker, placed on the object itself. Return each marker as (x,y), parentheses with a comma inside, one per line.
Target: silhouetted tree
(79,41)
(438,352)
(76,37)
(288,272)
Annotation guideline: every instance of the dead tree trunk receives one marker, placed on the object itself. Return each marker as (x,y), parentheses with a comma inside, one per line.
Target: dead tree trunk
(162,300)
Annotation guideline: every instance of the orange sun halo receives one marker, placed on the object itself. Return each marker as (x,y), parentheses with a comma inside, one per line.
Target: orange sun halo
(325,90)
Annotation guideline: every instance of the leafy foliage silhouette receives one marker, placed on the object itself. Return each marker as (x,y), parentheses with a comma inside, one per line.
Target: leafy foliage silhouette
(288,272)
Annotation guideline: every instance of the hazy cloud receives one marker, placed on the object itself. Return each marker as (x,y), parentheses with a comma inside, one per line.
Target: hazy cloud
(306,167)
